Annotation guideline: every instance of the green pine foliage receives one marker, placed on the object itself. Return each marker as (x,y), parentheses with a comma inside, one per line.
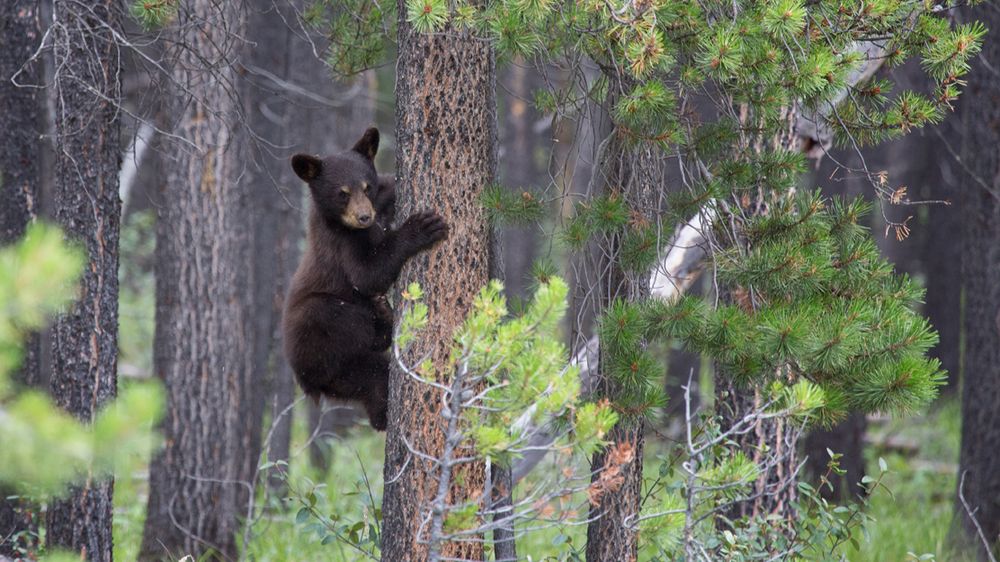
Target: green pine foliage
(508,207)
(520,370)
(152,14)
(806,310)
(814,301)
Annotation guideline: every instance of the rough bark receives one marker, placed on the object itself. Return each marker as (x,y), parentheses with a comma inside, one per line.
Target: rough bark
(204,327)
(446,155)
(773,440)
(978,458)
(87,207)
(19,118)
(20,188)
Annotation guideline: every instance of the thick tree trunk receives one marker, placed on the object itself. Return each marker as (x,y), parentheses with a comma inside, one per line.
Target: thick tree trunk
(19,119)
(446,155)
(20,193)
(204,325)
(979,462)
(85,340)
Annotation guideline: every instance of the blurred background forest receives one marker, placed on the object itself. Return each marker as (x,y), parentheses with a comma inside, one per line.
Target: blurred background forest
(218,97)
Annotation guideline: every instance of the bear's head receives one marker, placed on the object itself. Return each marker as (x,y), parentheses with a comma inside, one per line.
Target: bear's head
(342,185)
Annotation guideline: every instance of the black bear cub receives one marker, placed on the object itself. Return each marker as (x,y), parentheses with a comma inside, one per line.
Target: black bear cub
(337,322)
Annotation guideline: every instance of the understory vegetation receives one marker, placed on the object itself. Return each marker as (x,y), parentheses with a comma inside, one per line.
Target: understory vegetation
(911,515)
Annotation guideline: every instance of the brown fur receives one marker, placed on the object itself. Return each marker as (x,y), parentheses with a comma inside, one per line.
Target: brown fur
(337,322)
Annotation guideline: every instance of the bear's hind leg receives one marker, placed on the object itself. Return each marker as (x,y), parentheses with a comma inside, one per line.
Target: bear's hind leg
(369,379)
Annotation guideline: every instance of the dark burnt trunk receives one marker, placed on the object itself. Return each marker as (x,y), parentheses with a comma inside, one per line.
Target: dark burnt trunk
(20,191)
(204,325)
(446,155)
(87,207)
(979,462)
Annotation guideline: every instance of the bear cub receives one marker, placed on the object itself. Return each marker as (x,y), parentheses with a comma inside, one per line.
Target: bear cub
(337,322)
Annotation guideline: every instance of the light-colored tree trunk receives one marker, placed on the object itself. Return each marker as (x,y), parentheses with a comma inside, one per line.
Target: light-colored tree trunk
(204,322)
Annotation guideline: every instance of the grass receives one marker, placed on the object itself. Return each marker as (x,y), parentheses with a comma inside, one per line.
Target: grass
(914,518)
(917,516)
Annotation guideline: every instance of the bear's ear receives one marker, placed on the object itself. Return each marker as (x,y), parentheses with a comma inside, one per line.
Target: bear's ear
(306,167)
(368,145)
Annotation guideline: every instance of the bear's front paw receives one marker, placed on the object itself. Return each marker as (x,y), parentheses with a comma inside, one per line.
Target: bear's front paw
(423,230)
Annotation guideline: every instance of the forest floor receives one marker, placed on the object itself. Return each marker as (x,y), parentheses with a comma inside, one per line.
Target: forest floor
(910,520)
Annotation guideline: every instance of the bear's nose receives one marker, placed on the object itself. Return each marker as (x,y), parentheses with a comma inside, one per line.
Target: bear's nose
(365,219)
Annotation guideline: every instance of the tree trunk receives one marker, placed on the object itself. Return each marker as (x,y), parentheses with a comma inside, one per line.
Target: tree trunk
(519,173)
(204,325)
(85,340)
(941,254)
(348,121)
(20,187)
(637,175)
(20,116)
(846,438)
(276,118)
(446,155)
(979,462)
(775,439)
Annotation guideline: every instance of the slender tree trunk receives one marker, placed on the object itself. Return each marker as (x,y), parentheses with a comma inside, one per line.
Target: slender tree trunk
(85,340)
(941,253)
(204,325)
(636,174)
(446,155)
(979,463)
(20,193)
(519,172)
(845,438)
(777,439)
(348,122)
(276,118)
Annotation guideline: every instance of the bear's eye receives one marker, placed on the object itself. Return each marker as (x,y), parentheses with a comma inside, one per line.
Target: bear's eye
(345,190)
(364,186)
